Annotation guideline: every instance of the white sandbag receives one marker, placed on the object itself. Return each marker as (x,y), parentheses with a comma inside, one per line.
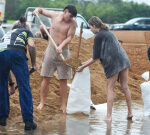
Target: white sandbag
(145,126)
(79,99)
(145,76)
(145,88)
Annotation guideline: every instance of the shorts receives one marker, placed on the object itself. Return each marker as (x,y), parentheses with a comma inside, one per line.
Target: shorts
(52,62)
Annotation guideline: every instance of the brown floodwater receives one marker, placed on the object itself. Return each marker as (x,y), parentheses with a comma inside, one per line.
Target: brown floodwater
(89,125)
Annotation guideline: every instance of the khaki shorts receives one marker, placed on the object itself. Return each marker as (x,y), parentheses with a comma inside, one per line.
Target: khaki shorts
(52,62)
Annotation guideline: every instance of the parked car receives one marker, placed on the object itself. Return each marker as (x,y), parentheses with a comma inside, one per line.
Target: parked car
(34,23)
(2,32)
(6,27)
(142,23)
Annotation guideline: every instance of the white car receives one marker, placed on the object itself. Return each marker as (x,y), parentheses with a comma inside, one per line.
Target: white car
(6,27)
(2,32)
(34,23)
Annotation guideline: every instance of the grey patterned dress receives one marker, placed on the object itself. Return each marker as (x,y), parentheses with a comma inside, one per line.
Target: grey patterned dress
(111,54)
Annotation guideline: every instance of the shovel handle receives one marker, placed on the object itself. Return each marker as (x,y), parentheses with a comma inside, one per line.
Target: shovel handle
(44,27)
(80,40)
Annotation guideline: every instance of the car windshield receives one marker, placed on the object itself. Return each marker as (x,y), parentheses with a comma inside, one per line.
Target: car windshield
(44,19)
(132,21)
(79,20)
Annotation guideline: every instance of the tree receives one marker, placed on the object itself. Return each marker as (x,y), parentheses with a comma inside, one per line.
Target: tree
(110,11)
(10,12)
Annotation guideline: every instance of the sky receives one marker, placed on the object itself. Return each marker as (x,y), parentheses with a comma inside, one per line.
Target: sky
(140,1)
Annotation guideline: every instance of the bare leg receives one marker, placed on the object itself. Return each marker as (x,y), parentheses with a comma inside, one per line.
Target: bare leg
(11,90)
(63,94)
(12,87)
(43,92)
(125,88)
(110,88)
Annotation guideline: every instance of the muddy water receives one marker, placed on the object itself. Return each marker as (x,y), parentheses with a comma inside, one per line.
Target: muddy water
(92,125)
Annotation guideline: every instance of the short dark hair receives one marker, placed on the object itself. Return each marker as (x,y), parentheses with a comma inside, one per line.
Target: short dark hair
(22,19)
(72,9)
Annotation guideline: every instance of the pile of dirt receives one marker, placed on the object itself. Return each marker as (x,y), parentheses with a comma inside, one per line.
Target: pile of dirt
(98,84)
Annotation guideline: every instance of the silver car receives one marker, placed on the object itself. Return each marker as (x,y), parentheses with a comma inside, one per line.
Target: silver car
(2,32)
(35,24)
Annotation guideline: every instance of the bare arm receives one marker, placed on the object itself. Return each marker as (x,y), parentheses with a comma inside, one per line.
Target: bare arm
(28,26)
(70,35)
(48,13)
(86,64)
(44,33)
(32,52)
(13,25)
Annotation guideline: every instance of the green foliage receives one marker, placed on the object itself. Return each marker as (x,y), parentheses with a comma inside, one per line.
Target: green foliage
(10,21)
(110,11)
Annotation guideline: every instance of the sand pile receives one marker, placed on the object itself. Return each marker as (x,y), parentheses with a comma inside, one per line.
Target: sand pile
(98,84)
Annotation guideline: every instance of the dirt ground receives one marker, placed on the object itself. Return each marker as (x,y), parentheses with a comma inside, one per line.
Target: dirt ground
(51,110)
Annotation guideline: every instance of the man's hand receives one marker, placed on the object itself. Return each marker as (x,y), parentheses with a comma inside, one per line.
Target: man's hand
(36,67)
(59,50)
(37,10)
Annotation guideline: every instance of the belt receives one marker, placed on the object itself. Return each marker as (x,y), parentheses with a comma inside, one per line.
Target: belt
(17,47)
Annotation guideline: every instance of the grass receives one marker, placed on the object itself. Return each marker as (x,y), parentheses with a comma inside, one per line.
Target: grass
(10,21)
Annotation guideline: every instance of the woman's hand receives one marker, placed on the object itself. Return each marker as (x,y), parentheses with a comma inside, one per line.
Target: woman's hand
(85,64)
(80,69)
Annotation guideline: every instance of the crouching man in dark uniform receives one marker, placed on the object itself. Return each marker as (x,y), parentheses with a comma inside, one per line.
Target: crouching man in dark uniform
(14,59)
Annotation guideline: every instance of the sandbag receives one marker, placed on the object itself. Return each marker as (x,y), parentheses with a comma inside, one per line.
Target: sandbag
(79,99)
(145,88)
(145,126)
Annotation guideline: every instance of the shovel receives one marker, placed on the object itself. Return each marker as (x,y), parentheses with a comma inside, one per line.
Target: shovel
(69,61)
(76,62)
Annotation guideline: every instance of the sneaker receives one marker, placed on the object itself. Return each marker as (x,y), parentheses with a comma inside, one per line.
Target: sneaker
(2,121)
(29,125)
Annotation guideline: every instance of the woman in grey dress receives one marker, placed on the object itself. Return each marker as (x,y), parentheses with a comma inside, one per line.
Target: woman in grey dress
(114,60)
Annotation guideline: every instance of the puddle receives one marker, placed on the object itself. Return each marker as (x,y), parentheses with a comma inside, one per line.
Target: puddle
(92,125)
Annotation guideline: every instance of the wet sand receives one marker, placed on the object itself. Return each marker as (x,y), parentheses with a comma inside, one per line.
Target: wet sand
(92,125)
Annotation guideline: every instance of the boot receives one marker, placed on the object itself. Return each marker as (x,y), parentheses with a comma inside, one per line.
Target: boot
(29,125)
(2,121)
